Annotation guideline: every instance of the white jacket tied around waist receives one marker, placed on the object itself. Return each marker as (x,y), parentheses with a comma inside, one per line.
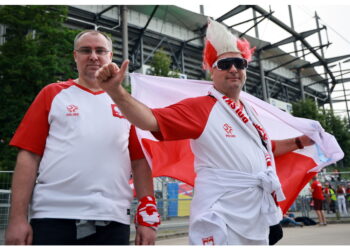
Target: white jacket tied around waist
(228,198)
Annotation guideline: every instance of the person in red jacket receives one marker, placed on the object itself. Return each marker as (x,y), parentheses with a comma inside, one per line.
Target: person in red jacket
(317,196)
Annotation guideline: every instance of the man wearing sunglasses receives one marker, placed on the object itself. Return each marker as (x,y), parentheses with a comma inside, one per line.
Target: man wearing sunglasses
(235,171)
(76,155)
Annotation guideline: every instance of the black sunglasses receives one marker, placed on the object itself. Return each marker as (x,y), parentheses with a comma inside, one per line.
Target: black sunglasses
(226,63)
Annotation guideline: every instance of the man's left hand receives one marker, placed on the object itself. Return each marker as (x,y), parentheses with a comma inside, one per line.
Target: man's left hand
(306,141)
(145,235)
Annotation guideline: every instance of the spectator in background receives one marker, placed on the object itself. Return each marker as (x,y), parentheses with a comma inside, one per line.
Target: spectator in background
(333,198)
(337,175)
(348,189)
(327,195)
(348,194)
(341,200)
(317,196)
(330,197)
(288,219)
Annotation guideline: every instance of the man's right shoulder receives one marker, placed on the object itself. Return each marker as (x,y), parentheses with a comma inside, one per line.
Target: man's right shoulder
(56,87)
(60,85)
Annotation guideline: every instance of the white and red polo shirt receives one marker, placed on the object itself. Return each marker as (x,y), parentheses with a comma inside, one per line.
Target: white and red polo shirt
(86,145)
(217,141)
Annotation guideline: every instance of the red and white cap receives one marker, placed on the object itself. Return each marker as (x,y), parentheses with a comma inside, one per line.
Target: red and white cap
(220,40)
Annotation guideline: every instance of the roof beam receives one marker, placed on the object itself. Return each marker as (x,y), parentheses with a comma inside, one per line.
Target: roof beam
(233,12)
(98,15)
(341,100)
(137,44)
(346,61)
(328,60)
(343,80)
(283,64)
(246,21)
(291,39)
(324,81)
(289,53)
(300,38)
(256,24)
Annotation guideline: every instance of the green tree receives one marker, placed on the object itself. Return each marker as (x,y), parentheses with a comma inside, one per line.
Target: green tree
(339,127)
(332,124)
(37,51)
(307,109)
(160,65)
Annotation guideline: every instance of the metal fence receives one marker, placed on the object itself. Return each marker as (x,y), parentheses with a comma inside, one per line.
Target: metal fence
(5,194)
(168,208)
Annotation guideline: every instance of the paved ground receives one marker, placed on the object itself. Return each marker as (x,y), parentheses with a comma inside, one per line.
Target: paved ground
(332,234)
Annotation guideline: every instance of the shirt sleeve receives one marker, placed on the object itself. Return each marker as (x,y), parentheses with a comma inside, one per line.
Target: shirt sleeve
(183,120)
(33,130)
(135,149)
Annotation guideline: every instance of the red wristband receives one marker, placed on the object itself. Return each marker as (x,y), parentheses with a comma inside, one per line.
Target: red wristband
(147,213)
(298,143)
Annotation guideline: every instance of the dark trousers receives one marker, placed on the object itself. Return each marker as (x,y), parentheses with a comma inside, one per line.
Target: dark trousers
(276,233)
(64,232)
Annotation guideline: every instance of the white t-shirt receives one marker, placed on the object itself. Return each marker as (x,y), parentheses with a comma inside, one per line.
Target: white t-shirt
(84,143)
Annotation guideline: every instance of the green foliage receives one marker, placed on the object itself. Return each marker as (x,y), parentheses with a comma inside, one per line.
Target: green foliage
(339,127)
(160,65)
(174,74)
(128,88)
(307,109)
(332,124)
(207,77)
(37,51)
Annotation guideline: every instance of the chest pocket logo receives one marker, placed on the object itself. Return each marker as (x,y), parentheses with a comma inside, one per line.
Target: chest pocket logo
(116,112)
(228,129)
(72,110)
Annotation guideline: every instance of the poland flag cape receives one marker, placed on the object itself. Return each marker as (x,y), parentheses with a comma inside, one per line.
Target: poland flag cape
(175,158)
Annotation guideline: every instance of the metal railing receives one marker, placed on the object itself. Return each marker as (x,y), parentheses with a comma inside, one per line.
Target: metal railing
(5,194)
(170,208)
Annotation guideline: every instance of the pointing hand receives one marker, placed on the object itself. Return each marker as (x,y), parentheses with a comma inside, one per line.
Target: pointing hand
(110,76)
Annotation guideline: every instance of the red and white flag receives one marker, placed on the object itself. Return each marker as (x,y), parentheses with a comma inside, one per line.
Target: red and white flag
(175,158)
